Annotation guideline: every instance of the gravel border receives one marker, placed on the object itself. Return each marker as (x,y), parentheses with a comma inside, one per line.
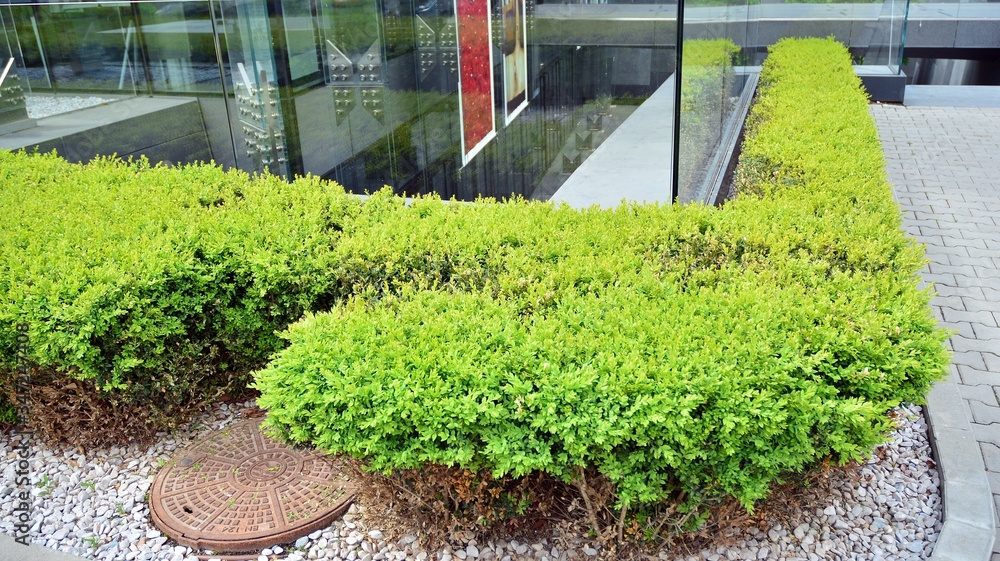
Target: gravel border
(93,506)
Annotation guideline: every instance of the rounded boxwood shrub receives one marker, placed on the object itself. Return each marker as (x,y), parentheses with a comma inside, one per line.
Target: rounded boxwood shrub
(685,354)
(156,288)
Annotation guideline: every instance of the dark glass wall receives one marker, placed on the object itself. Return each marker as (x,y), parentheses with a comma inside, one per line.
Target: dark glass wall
(464,98)
(367,92)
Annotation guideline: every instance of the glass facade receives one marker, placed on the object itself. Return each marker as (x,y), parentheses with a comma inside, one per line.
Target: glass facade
(464,98)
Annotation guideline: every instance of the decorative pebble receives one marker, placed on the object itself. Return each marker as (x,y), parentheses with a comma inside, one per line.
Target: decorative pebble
(891,511)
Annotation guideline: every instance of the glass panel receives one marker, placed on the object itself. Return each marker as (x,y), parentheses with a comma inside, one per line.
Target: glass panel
(70,56)
(715,32)
(255,108)
(179,45)
(94,58)
(352,143)
(13,109)
(887,34)
(392,111)
(606,100)
(300,41)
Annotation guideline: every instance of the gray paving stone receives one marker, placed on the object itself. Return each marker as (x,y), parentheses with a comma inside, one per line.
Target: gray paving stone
(944,279)
(971,280)
(943,165)
(961,291)
(962,344)
(981,262)
(951,241)
(988,273)
(950,410)
(954,302)
(962,328)
(933,230)
(967,502)
(992,361)
(993,478)
(991,456)
(942,257)
(990,332)
(971,366)
(982,392)
(991,293)
(971,234)
(988,434)
(984,414)
(938,269)
(976,305)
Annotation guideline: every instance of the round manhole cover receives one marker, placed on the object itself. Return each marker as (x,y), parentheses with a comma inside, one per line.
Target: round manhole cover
(239,490)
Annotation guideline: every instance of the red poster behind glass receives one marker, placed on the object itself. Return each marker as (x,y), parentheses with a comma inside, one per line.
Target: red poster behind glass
(475,67)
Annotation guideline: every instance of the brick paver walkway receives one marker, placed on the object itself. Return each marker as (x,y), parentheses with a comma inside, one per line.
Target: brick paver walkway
(944,163)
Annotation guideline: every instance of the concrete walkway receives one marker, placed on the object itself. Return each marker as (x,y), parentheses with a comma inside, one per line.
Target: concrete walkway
(631,163)
(11,550)
(944,163)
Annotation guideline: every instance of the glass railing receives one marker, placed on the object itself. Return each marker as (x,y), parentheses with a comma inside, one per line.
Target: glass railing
(126,78)
(719,41)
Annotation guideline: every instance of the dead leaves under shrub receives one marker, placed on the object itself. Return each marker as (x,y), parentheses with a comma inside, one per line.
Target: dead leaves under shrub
(442,504)
(62,410)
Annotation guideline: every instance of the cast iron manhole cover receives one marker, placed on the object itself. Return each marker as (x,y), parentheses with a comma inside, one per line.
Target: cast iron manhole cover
(239,490)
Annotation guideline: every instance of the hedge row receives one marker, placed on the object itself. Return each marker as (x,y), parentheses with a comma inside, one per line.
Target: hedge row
(679,351)
(161,287)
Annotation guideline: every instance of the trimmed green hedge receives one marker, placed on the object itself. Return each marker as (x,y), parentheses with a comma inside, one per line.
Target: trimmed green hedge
(162,286)
(678,351)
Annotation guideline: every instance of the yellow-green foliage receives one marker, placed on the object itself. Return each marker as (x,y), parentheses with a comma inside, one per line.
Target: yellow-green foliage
(679,351)
(158,284)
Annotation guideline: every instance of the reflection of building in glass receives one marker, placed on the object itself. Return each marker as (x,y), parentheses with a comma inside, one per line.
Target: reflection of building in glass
(367,92)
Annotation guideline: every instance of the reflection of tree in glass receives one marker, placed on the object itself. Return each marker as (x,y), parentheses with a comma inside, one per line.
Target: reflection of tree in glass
(353,26)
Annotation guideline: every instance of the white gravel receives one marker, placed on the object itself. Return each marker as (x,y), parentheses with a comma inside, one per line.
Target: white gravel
(94,506)
(42,105)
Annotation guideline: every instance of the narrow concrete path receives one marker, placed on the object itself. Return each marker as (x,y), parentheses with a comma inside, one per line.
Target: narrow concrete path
(12,550)
(944,163)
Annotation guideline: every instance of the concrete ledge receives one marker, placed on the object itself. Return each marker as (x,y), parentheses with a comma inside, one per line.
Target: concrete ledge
(960,542)
(969,528)
(881,83)
(632,163)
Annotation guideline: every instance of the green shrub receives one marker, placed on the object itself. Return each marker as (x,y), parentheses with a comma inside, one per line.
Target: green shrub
(683,353)
(160,286)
